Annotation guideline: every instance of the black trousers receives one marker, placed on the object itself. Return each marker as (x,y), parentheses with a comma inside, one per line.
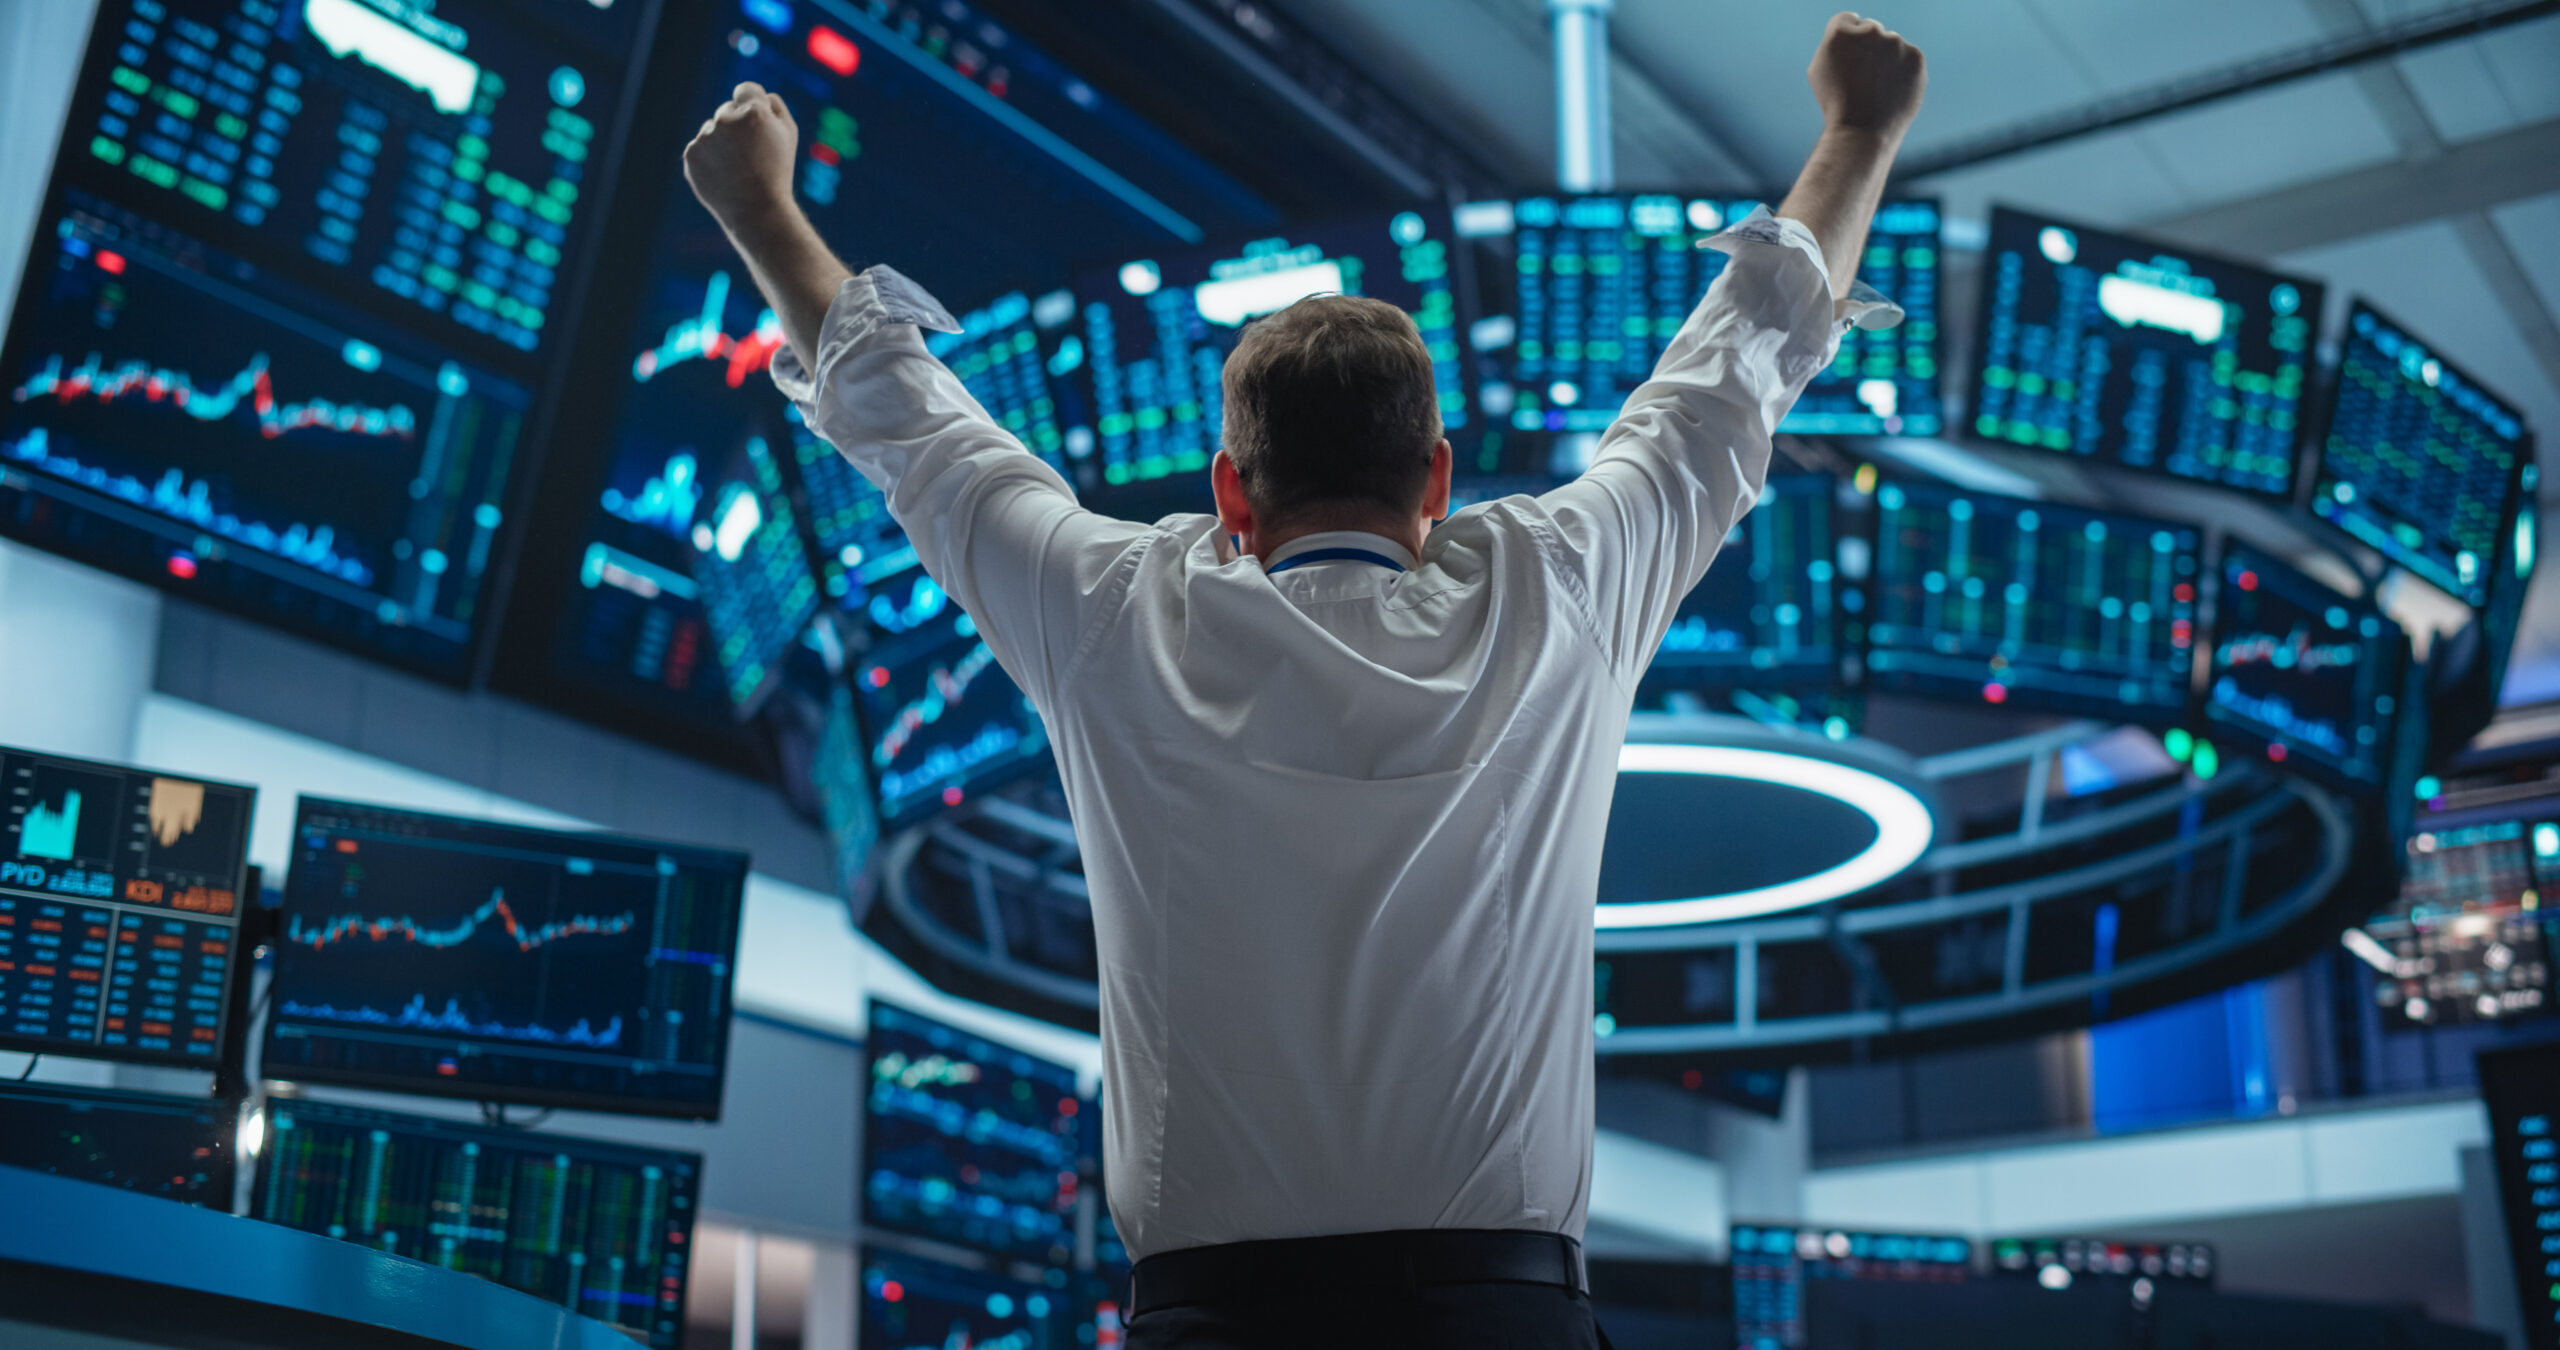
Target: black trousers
(1426,1317)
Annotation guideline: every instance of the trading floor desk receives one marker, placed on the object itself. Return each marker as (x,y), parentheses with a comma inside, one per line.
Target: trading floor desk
(88,1267)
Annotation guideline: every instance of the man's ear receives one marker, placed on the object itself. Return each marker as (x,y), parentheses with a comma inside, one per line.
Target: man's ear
(1435,492)
(1235,514)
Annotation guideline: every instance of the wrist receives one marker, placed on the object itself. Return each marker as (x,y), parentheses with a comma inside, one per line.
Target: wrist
(754,222)
(1880,138)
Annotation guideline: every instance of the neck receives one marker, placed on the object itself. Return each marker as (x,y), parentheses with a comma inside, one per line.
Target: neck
(1409,532)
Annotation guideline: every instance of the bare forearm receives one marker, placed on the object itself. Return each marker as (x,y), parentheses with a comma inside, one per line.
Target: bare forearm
(795,269)
(1836,195)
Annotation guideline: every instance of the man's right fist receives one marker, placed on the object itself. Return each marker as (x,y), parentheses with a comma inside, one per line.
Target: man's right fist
(1866,77)
(740,161)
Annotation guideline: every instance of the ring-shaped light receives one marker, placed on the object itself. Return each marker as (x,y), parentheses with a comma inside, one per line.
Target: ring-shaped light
(1903,831)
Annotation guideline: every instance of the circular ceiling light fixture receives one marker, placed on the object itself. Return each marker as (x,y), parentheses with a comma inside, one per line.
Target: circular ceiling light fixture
(1903,827)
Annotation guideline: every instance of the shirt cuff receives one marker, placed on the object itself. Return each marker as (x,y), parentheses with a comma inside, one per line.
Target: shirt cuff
(1863,307)
(880,295)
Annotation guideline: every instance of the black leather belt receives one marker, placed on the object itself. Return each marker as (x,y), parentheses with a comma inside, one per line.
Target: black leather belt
(1289,1267)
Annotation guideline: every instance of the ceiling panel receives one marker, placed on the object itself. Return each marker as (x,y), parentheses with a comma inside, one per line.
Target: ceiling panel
(2526,61)
(1457,65)
(2246,146)
(2452,83)
(2104,180)
(2532,228)
(2125,47)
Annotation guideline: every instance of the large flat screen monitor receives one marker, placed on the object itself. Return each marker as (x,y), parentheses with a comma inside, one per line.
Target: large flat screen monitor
(2128,351)
(911,1303)
(602,1229)
(1584,293)
(297,282)
(464,958)
(1154,332)
(2421,461)
(2031,604)
(121,891)
(2310,676)
(2521,1088)
(943,721)
(2469,937)
(968,1141)
(1768,613)
(177,1147)
(615,624)
(1772,1264)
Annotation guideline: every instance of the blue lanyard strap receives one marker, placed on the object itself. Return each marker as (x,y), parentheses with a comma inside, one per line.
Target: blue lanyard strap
(1317,555)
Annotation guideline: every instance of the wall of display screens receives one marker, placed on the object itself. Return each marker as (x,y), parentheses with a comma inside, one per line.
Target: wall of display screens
(970,1142)
(2032,604)
(604,1229)
(2130,352)
(121,892)
(2469,937)
(1768,613)
(301,269)
(2302,670)
(1581,295)
(178,1147)
(2420,461)
(433,954)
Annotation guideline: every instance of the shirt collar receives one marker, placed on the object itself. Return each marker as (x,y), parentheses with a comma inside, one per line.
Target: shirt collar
(1307,543)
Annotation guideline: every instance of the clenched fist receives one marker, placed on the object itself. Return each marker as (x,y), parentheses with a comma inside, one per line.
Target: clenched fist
(1866,77)
(740,162)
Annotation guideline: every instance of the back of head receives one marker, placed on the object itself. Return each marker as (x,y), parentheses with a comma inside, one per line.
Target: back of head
(1331,412)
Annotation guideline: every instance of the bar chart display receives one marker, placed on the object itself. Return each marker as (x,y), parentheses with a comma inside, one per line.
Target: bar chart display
(883,104)
(120,899)
(1772,1264)
(463,958)
(968,1141)
(758,590)
(944,720)
(2031,604)
(602,1229)
(1156,332)
(2128,352)
(1594,288)
(2470,937)
(175,1147)
(436,161)
(1768,612)
(2521,1089)
(186,418)
(2421,462)
(2309,674)
(909,1303)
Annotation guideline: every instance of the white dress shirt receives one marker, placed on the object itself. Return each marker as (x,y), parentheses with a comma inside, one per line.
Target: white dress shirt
(1342,825)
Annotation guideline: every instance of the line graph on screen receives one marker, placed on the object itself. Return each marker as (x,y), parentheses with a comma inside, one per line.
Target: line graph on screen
(252,389)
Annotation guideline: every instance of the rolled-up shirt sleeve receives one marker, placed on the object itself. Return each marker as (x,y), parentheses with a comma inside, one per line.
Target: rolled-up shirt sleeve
(994,525)
(1687,456)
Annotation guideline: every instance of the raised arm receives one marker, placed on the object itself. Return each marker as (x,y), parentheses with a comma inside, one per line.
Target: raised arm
(1688,454)
(995,526)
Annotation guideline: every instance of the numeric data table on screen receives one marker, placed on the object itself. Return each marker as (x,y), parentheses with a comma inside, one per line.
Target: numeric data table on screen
(2032,603)
(120,903)
(2420,461)
(604,1229)
(968,1141)
(433,954)
(2521,1089)
(2128,352)
(1767,614)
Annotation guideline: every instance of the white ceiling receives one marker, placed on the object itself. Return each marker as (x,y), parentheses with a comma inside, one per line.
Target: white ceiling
(1712,95)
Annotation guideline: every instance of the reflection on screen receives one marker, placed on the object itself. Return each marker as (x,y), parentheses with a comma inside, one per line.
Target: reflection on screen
(2121,350)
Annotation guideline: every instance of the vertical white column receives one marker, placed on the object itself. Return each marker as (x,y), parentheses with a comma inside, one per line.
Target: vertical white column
(742,1305)
(833,1317)
(1584,159)
(77,654)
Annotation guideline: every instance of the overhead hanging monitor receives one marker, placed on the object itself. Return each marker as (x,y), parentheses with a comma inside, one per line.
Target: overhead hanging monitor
(944,721)
(2127,351)
(1583,294)
(2421,461)
(1154,332)
(465,958)
(155,1143)
(1772,1265)
(2469,937)
(301,269)
(2029,604)
(751,562)
(121,891)
(2520,1087)
(614,623)
(908,1301)
(2313,677)
(602,1229)
(970,1142)
(1768,613)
